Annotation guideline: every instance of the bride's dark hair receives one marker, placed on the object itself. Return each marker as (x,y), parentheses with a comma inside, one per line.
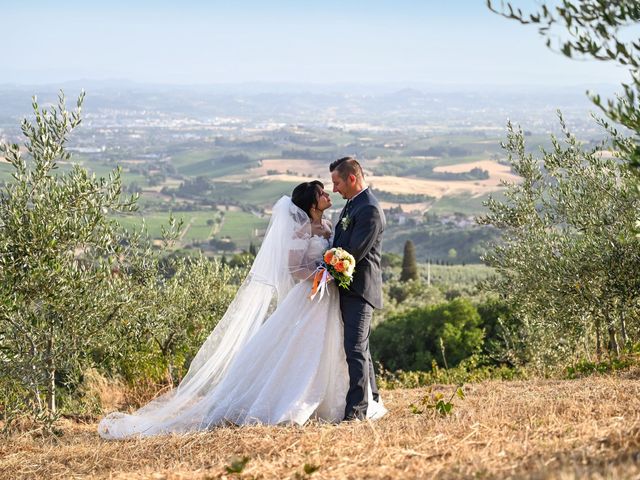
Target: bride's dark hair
(305,195)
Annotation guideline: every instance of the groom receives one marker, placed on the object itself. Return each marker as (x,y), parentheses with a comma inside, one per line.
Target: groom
(359,232)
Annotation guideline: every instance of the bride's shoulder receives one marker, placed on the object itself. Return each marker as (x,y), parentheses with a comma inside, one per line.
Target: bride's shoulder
(328,227)
(302,232)
(322,229)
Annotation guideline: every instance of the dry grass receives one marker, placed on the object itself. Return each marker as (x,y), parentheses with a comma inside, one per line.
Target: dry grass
(406,207)
(494,168)
(298,165)
(438,188)
(587,428)
(389,183)
(404,185)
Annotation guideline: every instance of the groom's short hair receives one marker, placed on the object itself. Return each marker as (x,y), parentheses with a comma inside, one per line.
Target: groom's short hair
(347,166)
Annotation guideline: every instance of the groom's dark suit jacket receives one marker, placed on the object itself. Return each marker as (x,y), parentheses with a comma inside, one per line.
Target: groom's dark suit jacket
(362,238)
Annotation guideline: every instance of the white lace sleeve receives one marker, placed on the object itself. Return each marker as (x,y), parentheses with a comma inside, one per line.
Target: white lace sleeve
(302,263)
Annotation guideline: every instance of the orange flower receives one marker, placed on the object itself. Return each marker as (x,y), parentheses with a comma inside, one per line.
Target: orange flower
(339,266)
(328,255)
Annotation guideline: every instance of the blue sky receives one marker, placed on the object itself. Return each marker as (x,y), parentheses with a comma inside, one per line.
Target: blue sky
(327,42)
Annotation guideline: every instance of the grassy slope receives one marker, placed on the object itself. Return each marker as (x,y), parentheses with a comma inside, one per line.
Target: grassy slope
(467,205)
(258,193)
(241,226)
(586,428)
(196,221)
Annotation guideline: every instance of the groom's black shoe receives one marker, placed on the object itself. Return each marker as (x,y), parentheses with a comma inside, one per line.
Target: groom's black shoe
(352,417)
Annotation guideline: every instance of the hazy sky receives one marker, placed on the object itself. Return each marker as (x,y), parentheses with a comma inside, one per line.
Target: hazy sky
(200,42)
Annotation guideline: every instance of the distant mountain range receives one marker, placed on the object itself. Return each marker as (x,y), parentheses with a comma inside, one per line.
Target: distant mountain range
(314,103)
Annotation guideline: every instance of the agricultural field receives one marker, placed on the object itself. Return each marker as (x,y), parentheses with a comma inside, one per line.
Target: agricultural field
(243,228)
(263,192)
(468,205)
(213,167)
(200,226)
(249,167)
(413,173)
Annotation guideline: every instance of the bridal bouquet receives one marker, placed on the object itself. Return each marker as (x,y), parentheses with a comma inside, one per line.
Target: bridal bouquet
(337,263)
(340,265)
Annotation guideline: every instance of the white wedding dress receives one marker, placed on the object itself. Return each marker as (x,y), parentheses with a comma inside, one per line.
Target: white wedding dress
(281,368)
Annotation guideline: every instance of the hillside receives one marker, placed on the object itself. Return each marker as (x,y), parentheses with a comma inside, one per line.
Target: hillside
(588,428)
(237,154)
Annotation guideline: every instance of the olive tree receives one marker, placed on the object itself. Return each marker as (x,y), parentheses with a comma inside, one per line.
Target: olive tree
(57,247)
(601,30)
(175,303)
(568,257)
(77,290)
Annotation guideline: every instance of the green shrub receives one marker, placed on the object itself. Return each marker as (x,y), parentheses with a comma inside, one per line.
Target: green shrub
(471,370)
(414,339)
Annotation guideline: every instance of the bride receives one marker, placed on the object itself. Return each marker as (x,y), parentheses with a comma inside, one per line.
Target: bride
(276,356)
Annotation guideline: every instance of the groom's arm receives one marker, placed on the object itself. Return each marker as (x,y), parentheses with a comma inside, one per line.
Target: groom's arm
(366,229)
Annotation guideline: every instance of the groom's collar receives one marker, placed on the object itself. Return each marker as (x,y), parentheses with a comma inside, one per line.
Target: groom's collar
(358,194)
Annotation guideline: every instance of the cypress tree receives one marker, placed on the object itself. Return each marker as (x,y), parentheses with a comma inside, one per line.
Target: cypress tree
(409,265)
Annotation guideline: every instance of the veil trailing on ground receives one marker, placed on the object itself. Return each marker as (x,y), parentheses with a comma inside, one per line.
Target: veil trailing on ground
(279,263)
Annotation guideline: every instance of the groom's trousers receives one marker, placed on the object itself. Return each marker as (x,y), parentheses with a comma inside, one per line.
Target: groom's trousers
(356,316)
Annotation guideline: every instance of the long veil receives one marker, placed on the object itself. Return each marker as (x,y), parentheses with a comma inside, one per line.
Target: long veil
(279,262)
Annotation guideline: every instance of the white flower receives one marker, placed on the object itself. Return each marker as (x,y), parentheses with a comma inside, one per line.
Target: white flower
(346,220)
(350,269)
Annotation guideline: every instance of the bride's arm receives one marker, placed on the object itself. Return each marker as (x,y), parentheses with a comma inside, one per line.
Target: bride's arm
(301,266)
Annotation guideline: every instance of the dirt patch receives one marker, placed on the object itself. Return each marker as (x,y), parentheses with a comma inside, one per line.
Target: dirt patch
(435,188)
(406,207)
(300,166)
(323,177)
(495,169)
(403,185)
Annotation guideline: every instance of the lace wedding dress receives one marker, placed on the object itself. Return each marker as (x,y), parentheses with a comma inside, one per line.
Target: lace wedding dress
(283,367)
